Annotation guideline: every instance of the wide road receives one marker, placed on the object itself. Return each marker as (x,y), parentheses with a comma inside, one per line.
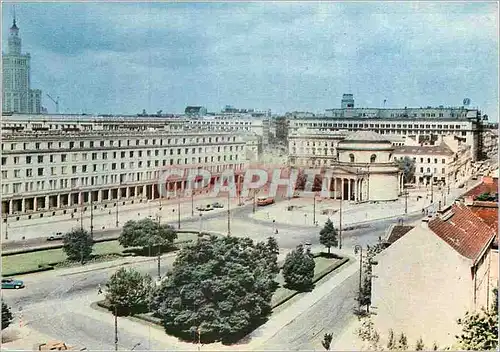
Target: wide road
(57,304)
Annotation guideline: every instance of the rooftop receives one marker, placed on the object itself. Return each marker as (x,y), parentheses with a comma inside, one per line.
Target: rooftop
(442,149)
(488,185)
(365,136)
(397,232)
(465,232)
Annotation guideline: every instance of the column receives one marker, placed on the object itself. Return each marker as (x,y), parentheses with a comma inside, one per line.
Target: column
(35,206)
(99,195)
(144,193)
(127,194)
(80,198)
(58,201)
(47,203)
(342,188)
(23,205)
(349,189)
(10,207)
(356,190)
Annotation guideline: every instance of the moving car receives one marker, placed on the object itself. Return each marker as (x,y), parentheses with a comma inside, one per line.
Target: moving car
(217,205)
(12,283)
(261,201)
(56,237)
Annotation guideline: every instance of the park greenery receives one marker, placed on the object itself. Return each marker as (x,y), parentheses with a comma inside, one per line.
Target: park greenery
(6,316)
(370,335)
(77,245)
(327,341)
(219,289)
(145,233)
(328,235)
(298,269)
(129,292)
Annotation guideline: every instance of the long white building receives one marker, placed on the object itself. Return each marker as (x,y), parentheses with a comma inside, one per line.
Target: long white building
(53,164)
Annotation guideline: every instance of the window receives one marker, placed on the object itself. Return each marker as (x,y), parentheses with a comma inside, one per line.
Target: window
(421,169)
(351,157)
(373,158)
(435,161)
(40,171)
(40,159)
(63,157)
(29,172)
(443,171)
(4,160)
(28,160)
(443,161)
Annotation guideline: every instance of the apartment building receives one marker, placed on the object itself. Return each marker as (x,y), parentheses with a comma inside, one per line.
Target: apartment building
(57,169)
(313,148)
(448,163)
(234,123)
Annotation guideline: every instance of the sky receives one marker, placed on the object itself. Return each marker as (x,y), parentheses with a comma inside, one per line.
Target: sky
(285,56)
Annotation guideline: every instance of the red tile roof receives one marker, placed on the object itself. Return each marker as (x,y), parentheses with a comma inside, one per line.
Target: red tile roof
(487,212)
(467,233)
(489,185)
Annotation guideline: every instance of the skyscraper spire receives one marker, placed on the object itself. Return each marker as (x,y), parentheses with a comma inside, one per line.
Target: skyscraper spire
(14,26)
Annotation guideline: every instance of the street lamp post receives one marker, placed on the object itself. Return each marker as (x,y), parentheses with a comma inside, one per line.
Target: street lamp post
(358,248)
(340,223)
(406,201)
(178,212)
(201,215)
(7,227)
(117,201)
(91,216)
(314,209)
(192,203)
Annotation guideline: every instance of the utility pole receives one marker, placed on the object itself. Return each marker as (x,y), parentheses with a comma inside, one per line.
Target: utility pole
(192,203)
(91,216)
(116,328)
(117,200)
(254,192)
(228,213)
(358,248)
(159,249)
(406,201)
(432,191)
(7,227)
(314,209)
(178,212)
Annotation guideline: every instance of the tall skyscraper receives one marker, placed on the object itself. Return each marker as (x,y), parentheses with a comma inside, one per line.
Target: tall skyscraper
(17,94)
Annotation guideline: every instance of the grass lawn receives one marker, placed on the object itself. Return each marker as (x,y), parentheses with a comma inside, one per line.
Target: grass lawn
(30,261)
(282,292)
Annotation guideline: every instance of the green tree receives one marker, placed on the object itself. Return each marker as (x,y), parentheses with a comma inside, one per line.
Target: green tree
(129,291)
(145,233)
(420,345)
(77,245)
(407,165)
(6,316)
(328,235)
(435,346)
(327,341)
(298,269)
(220,286)
(480,329)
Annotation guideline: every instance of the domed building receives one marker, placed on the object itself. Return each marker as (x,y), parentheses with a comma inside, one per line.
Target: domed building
(365,169)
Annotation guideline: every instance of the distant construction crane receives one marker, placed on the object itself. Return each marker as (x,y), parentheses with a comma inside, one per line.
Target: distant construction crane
(56,101)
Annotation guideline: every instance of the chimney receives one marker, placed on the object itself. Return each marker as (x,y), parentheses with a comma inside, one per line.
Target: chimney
(469,201)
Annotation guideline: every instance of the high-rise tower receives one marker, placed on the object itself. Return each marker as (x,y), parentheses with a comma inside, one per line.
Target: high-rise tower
(17,95)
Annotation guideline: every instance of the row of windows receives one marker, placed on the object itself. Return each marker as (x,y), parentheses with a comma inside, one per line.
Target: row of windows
(115,155)
(377,125)
(423,160)
(428,170)
(104,167)
(113,143)
(85,181)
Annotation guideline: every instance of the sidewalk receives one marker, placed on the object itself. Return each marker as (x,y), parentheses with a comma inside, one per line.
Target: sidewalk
(303,214)
(106,218)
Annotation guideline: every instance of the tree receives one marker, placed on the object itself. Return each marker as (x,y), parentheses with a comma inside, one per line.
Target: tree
(129,291)
(298,269)
(391,344)
(327,341)
(402,342)
(146,232)
(480,329)
(77,245)
(6,316)
(366,288)
(328,236)
(435,346)
(407,165)
(220,286)
(420,345)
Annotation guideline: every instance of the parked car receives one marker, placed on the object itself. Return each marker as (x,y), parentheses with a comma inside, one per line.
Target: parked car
(208,207)
(12,283)
(262,201)
(56,237)
(217,205)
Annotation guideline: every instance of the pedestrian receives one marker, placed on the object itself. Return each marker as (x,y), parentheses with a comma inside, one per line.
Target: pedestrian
(99,289)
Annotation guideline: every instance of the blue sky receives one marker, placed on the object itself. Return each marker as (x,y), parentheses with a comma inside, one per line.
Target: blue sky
(125,57)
